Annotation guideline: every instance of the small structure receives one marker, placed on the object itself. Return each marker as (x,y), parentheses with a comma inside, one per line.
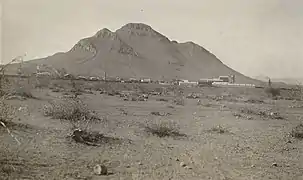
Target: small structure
(133,80)
(145,80)
(43,74)
(162,82)
(92,78)
(224,78)
(227,84)
(207,82)
(81,78)
(188,83)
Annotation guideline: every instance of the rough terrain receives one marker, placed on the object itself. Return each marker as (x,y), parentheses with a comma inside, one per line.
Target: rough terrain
(216,133)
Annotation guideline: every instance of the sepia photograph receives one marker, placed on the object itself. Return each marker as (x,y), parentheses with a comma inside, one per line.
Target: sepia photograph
(151,90)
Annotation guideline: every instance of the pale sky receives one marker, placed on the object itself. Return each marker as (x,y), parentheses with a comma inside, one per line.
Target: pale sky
(251,36)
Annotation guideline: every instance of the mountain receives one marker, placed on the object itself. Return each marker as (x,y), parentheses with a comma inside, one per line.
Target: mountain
(291,81)
(137,50)
(262,78)
(283,81)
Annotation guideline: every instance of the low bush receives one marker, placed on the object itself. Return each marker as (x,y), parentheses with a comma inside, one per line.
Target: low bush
(163,129)
(69,109)
(297,132)
(179,101)
(219,129)
(7,112)
(273,92)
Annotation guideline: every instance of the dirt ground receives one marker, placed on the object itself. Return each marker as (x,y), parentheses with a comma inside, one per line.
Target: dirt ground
(222,134)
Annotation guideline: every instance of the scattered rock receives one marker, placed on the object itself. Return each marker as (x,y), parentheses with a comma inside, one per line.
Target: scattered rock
(188,167)
(160,114)
(193,96)
(92,138)
(100,170)
(297,132)
(13,97)
(274,164)
(182,164)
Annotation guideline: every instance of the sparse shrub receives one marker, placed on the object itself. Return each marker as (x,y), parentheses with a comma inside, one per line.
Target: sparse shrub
(42,81)
(273,92)
(247,110)
(296,105)
(24,92)
(193,96)
(7,112)
(219,129)
(69,109)
(164,129)
(254,101)
(263,113)
(204,103)
(56,89)
(297,132)
(123,111)
(179,101)
(162,99)
(92,138)
(170,107)
(156,113)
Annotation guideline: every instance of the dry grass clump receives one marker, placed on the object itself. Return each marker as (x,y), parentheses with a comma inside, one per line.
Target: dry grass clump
(156,113)
(219,129)
(162,99)
(179,101)
(297,132)
(164,129)
(273,92)
(71,109)
(7,112)
(92,138)
(263,113)
(204,103)
(254,100)
(193,96)
(24,92)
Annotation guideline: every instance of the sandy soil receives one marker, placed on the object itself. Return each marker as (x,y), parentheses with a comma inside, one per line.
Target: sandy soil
(219,144)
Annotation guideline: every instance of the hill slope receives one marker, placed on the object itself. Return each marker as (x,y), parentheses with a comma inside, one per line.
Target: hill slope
(136,50)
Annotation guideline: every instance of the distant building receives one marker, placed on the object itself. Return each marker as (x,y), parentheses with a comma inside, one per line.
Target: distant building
(224,78)
(205,82)
(81,78)
(188,83)
(43,74)
(94,78)
(133,80)
(145,80)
